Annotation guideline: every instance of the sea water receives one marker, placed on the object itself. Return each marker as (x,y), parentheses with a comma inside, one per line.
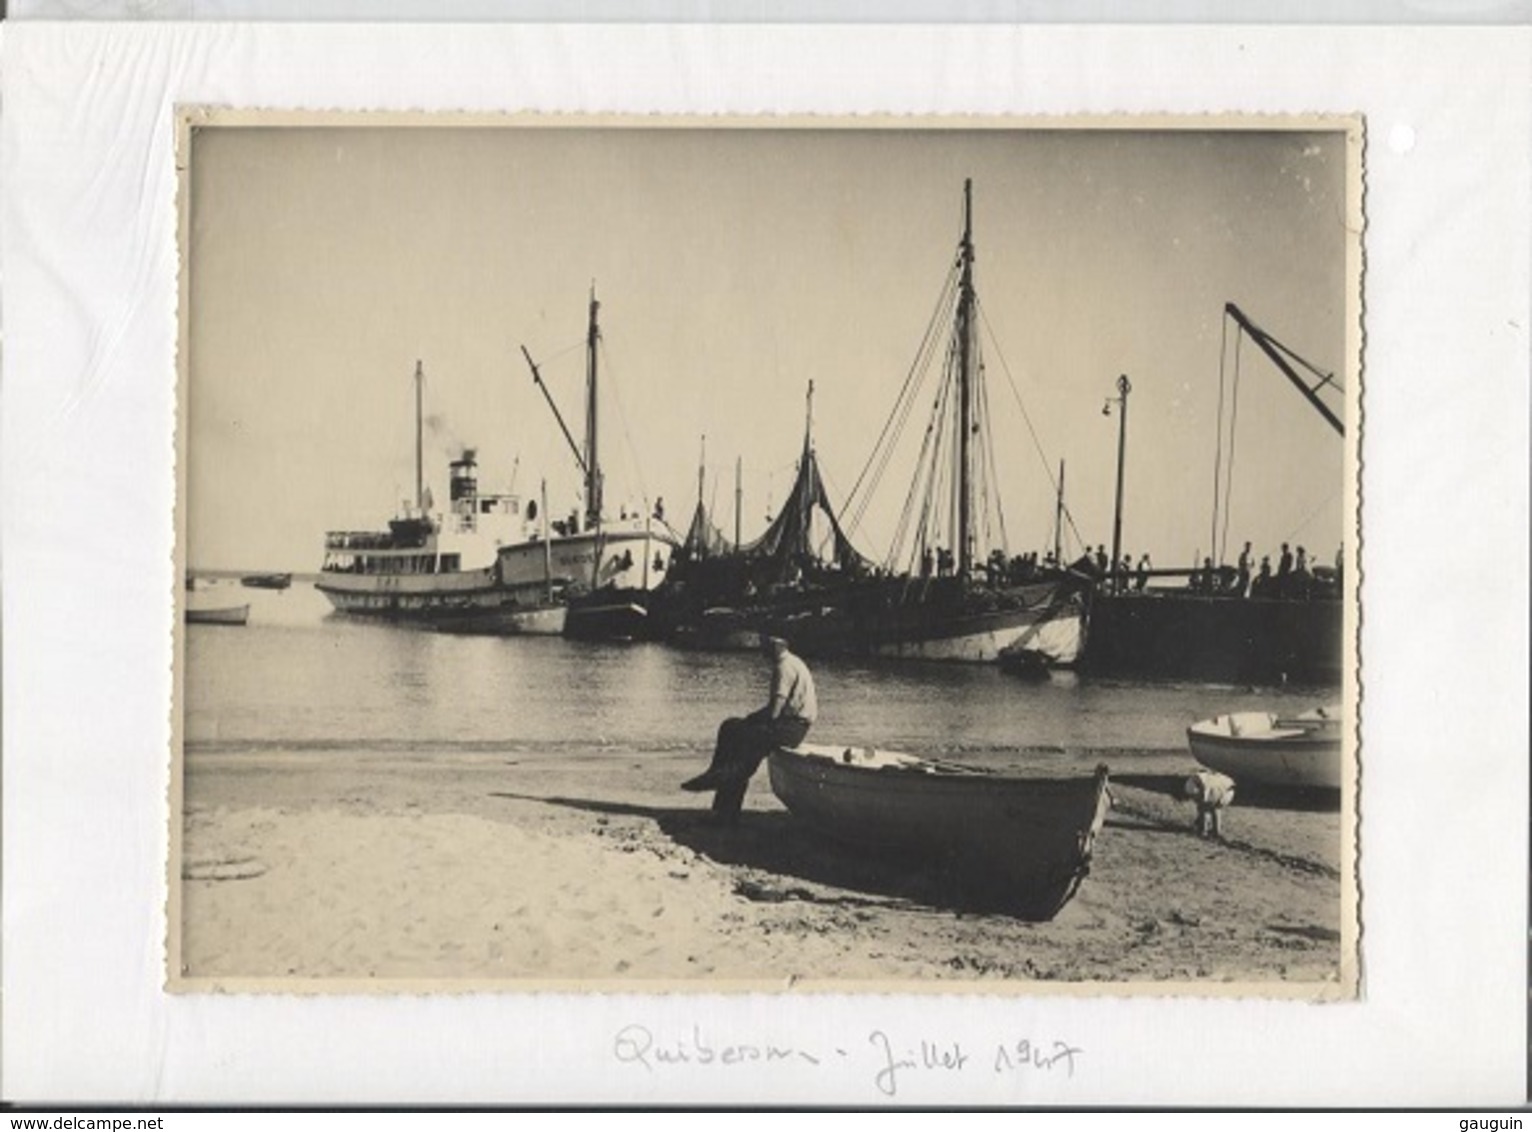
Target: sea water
(299,677)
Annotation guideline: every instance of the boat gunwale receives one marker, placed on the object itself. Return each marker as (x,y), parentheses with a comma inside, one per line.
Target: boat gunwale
(922,775)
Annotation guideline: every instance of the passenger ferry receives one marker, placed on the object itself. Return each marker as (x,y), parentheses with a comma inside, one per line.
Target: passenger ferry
(489,563)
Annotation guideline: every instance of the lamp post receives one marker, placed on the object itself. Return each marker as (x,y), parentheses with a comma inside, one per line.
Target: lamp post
(1124,387)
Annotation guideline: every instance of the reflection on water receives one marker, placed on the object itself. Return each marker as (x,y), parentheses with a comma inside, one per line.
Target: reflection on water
(299,676)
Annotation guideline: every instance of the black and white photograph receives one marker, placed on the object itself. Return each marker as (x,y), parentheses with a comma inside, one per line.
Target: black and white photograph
(768,554)
(702,564)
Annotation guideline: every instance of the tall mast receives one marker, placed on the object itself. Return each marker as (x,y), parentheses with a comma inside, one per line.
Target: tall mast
(547,543)
(707,520)
(420,475)
(802,536)
(1124,387)
(1058,521)
(592,463)
(808,422)
(965,389)
(738,496)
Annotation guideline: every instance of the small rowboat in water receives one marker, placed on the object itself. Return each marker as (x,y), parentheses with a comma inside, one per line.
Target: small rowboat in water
(267,581)
(206,605)
(218,615)
(1262,748)
(1027,663)
(1022,842)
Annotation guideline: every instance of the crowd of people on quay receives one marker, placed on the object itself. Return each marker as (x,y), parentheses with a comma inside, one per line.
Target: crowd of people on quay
(1295,576)
(997,569)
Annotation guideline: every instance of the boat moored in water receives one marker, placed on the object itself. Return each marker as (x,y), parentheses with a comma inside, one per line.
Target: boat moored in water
(511,619)
(1267,749)
(943,593)
(1022,841)
(217,615)
(1025,663)
(431,568)
(615,570)
(267,581)
(488,564)
(205,604)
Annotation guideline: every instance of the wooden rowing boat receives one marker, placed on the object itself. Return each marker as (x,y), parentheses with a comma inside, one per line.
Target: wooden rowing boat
(1262,748)
(1020,842)
(218,615)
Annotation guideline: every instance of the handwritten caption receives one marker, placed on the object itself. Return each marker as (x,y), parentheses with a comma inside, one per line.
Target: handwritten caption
(886,1062)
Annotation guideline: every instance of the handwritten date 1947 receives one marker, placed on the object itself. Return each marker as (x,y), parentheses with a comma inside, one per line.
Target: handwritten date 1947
(1027,1054)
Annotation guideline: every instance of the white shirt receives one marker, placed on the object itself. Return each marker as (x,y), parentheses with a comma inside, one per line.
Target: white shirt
(793,688)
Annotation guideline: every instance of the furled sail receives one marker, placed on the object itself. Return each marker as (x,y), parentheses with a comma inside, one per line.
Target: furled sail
(703,538)
(789,543)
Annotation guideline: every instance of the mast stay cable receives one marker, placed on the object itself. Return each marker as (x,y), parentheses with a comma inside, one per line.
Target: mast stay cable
(1037,444)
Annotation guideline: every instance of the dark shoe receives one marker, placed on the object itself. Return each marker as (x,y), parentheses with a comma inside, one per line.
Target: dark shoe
(710,779)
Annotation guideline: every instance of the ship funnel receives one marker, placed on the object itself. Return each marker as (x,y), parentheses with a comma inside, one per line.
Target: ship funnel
(464,480)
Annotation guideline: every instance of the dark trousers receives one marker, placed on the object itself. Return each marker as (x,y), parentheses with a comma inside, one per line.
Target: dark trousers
(742,745)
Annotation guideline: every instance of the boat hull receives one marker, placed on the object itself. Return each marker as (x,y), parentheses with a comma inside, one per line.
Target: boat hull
(1020,843)
(624,559)
(1256,748)
(267,581)
(493,598)
(718,630)
(982,638)
(221,615)
(413,597)
(545,620)
(626,566)
(601,616)
(940,626)
(1025,663)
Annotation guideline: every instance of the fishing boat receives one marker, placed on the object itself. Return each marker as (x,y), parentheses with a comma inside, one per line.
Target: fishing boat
(613,566)
(267,581)
(205,606)
(1021,842)
(1268,749)
(941,593)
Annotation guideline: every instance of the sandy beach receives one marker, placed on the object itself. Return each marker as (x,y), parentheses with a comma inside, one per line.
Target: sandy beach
(318,865)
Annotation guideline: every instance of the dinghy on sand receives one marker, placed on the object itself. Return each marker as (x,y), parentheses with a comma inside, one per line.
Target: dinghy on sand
(1022,840)
(1263,748)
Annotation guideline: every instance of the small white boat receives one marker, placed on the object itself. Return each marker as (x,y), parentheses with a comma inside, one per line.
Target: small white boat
(1023,841)
(217,615)
(1263,748)
(207,605)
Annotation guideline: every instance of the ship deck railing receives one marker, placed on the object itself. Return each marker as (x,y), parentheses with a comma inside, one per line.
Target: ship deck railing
(359,540)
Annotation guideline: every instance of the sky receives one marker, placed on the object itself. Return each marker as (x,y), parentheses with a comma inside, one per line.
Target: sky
(735,265)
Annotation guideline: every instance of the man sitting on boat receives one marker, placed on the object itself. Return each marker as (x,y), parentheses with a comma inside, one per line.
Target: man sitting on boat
(744,743)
